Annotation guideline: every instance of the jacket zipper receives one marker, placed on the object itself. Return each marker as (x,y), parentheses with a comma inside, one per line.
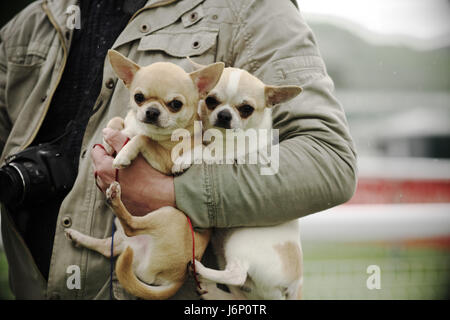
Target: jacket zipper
(49,99)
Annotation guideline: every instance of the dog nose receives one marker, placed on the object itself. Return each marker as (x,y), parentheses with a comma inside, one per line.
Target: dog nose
(224,116)
(152,114)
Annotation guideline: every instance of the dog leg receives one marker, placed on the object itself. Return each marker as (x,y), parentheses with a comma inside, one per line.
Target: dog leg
(128,153)
(182,163)
(113,198)
(131,224)
(234,274)
(102,246)
(116,123)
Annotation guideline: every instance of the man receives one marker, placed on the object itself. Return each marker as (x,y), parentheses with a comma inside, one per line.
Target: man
(45,68)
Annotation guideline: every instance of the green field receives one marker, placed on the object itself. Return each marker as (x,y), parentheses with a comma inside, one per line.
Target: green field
(5,293)
(338,271)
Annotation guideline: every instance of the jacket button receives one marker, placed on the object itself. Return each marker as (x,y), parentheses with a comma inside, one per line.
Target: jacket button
(215,17)
(66,222)
(196,44)
(144,27)
(193,16)
(110,83)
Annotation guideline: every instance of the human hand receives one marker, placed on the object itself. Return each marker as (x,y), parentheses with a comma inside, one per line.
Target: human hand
(144,189)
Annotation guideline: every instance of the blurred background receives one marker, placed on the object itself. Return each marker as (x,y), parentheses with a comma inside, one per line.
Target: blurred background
(390,61)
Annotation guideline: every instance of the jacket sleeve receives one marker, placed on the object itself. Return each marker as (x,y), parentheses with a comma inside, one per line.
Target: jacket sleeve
(317,160)
(5,124)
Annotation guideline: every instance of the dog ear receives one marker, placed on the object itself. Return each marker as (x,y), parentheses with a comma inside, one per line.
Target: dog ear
(206,78)
(279,94)
(123,67)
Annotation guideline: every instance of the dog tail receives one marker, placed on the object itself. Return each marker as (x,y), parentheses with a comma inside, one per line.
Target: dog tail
(133,285)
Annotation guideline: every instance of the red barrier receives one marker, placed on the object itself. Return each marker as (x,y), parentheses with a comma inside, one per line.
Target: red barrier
(378,191)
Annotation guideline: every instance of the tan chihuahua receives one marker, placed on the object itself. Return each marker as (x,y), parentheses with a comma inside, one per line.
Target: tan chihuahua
(154,249)
(258,263)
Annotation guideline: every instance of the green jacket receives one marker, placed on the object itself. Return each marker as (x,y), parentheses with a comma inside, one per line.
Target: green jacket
(268,38)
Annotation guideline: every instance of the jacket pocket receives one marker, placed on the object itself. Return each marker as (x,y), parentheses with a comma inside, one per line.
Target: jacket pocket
(35,53)
(181,44)
(20,86)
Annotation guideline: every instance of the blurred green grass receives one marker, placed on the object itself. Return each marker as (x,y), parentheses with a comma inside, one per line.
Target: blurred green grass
(5,292)
(337,271)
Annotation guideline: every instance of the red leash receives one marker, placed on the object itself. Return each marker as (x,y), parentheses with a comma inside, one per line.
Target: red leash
(188,219)
(193,252)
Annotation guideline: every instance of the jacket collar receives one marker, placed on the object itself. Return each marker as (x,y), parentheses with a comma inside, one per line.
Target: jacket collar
(60,9)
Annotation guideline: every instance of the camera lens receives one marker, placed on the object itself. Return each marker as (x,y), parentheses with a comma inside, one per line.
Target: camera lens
(11,185)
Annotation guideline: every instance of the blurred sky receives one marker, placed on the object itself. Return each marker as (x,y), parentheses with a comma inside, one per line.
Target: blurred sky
(417,18)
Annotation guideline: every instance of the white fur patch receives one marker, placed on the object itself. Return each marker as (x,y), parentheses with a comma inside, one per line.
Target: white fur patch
(233,82)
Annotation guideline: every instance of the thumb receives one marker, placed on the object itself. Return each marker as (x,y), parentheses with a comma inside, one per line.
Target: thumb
(116,139)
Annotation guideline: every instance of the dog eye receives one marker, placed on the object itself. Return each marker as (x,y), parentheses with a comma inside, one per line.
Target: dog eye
(211,102)
(139,98)
(246,110)
(175,105)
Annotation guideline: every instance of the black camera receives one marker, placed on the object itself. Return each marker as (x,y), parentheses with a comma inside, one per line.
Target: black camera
(35,175)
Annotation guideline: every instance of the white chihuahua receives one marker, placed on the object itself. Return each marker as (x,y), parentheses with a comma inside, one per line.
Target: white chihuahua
(260,262)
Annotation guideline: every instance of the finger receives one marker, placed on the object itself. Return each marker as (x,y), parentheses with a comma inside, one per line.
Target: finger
(103,169)
(103,179)
(102,163)
(99,155)
(99,182)
(114,138)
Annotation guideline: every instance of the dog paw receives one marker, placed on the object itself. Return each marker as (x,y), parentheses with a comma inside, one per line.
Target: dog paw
(182,163)
(121,161)
(113,192)
(202,290)
(209,291)
(180,167)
